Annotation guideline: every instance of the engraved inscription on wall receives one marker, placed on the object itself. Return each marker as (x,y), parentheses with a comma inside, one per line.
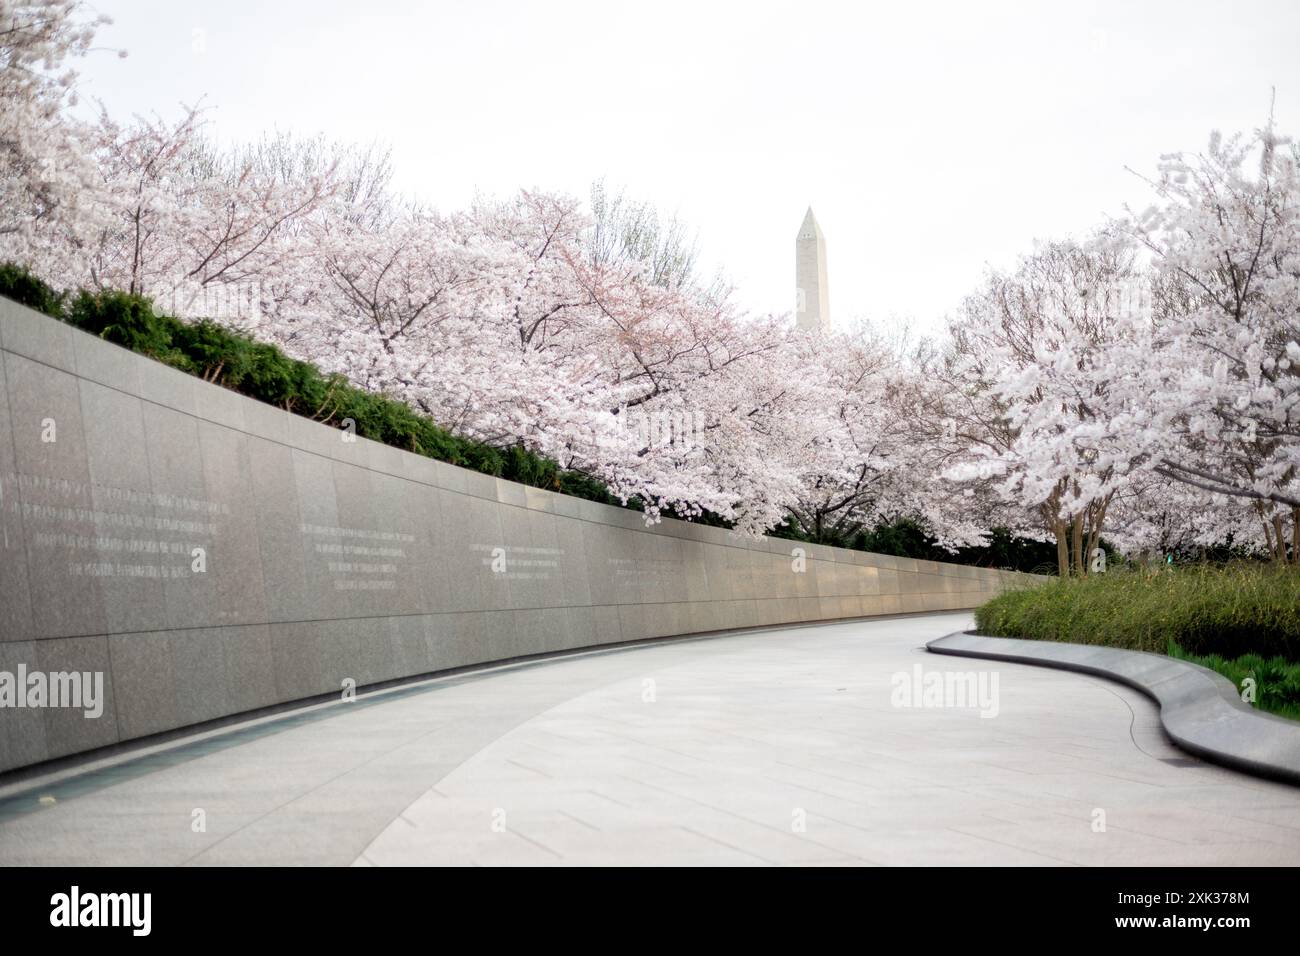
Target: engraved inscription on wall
(358,559)
(107,531)
(518,563)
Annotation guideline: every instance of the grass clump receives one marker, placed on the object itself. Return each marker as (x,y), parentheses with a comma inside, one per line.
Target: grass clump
(1241,619)
(1240,608)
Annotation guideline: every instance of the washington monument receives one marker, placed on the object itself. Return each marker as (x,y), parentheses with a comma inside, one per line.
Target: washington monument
(812,302)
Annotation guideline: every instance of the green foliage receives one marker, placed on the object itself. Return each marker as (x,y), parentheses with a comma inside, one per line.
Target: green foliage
(518,464)
(906,537)
(20,285)
(1239,608)
(1014,553)
(1277,680)
(126,320)
(583,486)
(903,538)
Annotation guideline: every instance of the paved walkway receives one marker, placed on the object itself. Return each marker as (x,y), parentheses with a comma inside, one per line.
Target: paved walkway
(779,747)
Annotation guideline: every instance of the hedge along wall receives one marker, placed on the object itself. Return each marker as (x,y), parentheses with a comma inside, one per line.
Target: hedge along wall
(210,555)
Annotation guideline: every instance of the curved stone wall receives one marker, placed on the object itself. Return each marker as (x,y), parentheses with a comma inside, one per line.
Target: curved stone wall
(208,555)
(1200,710)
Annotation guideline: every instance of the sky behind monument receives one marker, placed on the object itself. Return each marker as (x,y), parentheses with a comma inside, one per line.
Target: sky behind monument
(930,140)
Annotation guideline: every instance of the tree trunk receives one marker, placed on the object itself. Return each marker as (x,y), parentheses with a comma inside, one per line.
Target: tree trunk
(1076,535)
(1062,550)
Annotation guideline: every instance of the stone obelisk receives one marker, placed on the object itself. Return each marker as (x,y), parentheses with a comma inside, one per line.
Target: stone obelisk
(812,295)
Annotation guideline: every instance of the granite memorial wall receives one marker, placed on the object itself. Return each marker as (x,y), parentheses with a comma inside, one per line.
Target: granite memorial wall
(206,554)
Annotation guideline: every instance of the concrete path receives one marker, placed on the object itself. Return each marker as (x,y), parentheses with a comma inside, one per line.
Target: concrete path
(777,747)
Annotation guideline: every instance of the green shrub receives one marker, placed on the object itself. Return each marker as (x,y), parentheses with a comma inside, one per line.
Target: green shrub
(583,486)
(907,537)
(20,285)
(127,320)
(518,464)
(1240,608)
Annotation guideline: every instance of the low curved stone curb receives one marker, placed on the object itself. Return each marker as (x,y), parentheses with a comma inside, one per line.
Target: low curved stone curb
(1199,709)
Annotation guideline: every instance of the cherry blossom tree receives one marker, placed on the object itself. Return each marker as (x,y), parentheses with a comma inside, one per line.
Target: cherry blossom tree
(1213,386)
(956,426)
(864,464)
(396,302)
(1146,380)
(46,174)
(182,219)
(1033,348)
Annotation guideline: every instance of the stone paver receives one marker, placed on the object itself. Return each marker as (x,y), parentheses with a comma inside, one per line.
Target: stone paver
(773,748)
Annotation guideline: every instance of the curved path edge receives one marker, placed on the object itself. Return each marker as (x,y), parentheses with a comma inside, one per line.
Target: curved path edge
(1199,709)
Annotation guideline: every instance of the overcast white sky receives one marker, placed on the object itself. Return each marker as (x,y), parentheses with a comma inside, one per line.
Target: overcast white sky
(930,138)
